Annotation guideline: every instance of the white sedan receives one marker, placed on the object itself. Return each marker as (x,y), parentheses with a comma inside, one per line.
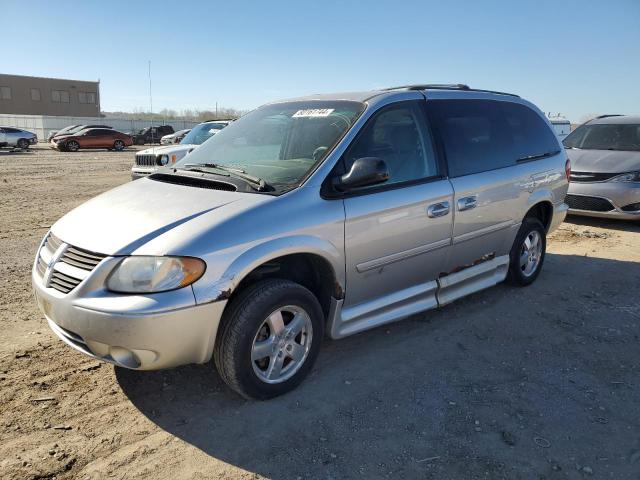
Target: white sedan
(15,137)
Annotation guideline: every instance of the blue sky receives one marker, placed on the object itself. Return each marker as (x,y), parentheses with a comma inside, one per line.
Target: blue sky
(574,57)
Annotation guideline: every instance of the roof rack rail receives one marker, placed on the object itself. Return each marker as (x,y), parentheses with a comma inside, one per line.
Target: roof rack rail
(445,86)
(609,115)
(432,86)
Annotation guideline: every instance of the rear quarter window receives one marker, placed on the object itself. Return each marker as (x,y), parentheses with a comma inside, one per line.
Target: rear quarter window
(483,135)
(531,135)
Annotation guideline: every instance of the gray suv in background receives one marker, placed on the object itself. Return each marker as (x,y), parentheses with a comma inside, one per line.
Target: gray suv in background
(323,215)
(605,159)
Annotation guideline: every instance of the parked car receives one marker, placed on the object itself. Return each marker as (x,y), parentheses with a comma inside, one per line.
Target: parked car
(62,131)
(16,137)
(605,177)
(71,129)
(152,134)
(92,138)
(174,137)
(149,160)
(330,213)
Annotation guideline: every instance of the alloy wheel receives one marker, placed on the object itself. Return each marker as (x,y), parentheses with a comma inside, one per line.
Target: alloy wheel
(282,344)
(530,253)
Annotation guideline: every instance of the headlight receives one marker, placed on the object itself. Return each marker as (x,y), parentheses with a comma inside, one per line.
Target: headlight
(164,159)
(154,274)
(627,177)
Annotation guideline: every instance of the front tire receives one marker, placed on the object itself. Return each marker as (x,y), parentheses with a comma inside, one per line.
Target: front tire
(118,145)
(23,144)
(72,146)
(269,338)
(527,253)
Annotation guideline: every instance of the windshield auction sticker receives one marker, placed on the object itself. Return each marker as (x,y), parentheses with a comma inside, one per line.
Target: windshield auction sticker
(313,112)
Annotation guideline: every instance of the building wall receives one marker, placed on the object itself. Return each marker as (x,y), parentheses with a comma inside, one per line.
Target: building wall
(22,95)
(43,125)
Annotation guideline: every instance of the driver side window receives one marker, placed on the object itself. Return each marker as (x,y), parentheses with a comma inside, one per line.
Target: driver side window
(398,135)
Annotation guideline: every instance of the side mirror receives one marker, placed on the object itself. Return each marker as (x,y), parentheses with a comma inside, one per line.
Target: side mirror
(364,172)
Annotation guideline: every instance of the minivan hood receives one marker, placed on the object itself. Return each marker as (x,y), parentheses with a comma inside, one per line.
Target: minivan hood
(603,161)
(123,219)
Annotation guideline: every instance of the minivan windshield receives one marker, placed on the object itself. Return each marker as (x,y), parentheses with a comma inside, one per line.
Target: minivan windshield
(605,137)
(200,133)
(278,143)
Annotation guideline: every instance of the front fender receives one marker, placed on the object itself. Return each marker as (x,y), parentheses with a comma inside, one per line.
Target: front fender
(263,252)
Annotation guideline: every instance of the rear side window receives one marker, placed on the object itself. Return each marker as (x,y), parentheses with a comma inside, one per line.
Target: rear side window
(475,135)
(531,136)
(483,135)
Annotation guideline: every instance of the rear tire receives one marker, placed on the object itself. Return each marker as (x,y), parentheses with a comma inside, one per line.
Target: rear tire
(269,338)
(23,144)
(527,253)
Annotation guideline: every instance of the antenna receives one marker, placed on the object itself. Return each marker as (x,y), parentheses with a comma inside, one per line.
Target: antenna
(150,98)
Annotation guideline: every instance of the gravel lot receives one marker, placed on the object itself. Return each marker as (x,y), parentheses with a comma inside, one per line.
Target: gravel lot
(540,382)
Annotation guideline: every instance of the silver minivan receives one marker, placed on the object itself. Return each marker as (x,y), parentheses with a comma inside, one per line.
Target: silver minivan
(323,215)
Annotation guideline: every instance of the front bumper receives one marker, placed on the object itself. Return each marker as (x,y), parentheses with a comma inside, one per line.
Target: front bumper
(140,172)
(141,332)
(618,194)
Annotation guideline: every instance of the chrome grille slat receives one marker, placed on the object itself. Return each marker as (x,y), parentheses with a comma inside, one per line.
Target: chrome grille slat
(41,266)
(67,278)
(588,177)
(63,283)
(85,253)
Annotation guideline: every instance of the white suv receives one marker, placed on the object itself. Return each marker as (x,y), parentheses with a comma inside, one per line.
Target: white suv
(147,161)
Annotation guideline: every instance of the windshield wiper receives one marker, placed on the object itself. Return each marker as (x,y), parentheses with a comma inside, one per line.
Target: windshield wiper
(537,156)
(236,172)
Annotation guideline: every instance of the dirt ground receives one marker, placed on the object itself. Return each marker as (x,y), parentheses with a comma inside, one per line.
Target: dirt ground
(534,383)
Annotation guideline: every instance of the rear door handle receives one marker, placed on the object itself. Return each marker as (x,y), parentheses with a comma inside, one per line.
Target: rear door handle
(467,203)
(438,210)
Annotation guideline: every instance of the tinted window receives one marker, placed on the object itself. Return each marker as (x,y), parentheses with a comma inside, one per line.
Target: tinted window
(482,135)
(474,133)
(530,133)
(399,136)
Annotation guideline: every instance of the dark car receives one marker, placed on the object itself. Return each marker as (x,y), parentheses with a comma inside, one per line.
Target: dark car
(92,138)
(152,134)
(70,130)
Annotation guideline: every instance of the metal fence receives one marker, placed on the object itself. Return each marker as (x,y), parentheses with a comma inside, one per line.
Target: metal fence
(42,125)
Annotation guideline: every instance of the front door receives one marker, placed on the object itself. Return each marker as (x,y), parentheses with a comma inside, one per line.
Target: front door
(398,234)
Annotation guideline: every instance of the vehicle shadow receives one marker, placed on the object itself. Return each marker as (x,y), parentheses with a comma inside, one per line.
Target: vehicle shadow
(623,225)
(16,151)
(454,393)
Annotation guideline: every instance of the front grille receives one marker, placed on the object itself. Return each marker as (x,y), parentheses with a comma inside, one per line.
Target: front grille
(146,160)
(591,177)
(64,270)
(593,204)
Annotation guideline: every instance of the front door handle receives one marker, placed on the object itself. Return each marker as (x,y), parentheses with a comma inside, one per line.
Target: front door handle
(438,210)
(467,203)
